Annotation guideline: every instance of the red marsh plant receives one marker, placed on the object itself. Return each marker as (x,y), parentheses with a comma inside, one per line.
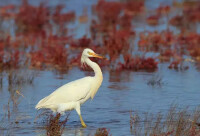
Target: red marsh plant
(75,60)
(156,41)
(125,21)
(108,14)
(50,56)
(102,132)
(167,44)
(163,10)
(28,22)
(153,20)
(134,8)
(165,55)
(12,60)
(42,37)
(9,58)
(111,15)
(117,43)
(7,12)
(191,10)
(55,127)
(62,19)
(188,44)
(33,37)
(82,43)
(178,65)
(137,64)
(177,21)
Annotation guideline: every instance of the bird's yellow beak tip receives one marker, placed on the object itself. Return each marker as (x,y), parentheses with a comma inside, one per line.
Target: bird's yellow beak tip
(98,56)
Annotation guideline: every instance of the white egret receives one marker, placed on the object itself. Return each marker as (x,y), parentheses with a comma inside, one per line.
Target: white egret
(72,95)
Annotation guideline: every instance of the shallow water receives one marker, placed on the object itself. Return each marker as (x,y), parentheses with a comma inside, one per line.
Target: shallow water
(119,94)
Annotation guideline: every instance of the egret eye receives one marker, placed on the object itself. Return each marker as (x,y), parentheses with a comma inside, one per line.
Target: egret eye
(89,53)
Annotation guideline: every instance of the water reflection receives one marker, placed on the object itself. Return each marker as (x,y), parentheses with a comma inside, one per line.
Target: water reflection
(120,76)
(118,80)
(118,87)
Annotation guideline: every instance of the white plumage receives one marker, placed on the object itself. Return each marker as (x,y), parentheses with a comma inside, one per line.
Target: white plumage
(70,96)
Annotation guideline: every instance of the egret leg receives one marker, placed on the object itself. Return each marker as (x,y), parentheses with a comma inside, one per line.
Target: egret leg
(79,113)
(82,122)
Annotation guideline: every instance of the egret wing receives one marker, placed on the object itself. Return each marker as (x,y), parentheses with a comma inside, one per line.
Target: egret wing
(71,92)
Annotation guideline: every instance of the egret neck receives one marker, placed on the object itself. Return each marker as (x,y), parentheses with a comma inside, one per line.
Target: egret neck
(98,76)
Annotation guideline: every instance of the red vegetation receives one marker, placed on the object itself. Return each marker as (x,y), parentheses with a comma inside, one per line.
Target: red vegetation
(163,10)
(154,41)
(195,53)
(108,13)
(41,35)
(135,64)
(28,22)
(102,132)
(34,36)
(194,131)
(62,18)
(83,42)
(111,14)
(55,127)
(174,65)
(191,14)
(191,11)
(134,7)
(166,55)
(177,65)
(177,21)
(6,12)
(75,61)
(117,43)
(54,56)
(153,20)
(9,58)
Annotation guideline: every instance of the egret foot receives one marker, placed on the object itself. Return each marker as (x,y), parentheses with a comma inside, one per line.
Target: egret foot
(82,122)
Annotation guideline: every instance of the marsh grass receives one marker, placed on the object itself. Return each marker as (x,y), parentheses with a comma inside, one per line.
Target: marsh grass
(55,127)
(156,80)
(20,77)
(177,122)
(102,132)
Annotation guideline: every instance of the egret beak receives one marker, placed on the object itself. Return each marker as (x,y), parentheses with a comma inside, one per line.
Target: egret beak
(98,56)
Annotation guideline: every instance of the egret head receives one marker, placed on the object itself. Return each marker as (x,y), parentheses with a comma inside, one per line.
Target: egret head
(89,53)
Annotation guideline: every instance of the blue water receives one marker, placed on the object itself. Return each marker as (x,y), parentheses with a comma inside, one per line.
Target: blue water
(119,94)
